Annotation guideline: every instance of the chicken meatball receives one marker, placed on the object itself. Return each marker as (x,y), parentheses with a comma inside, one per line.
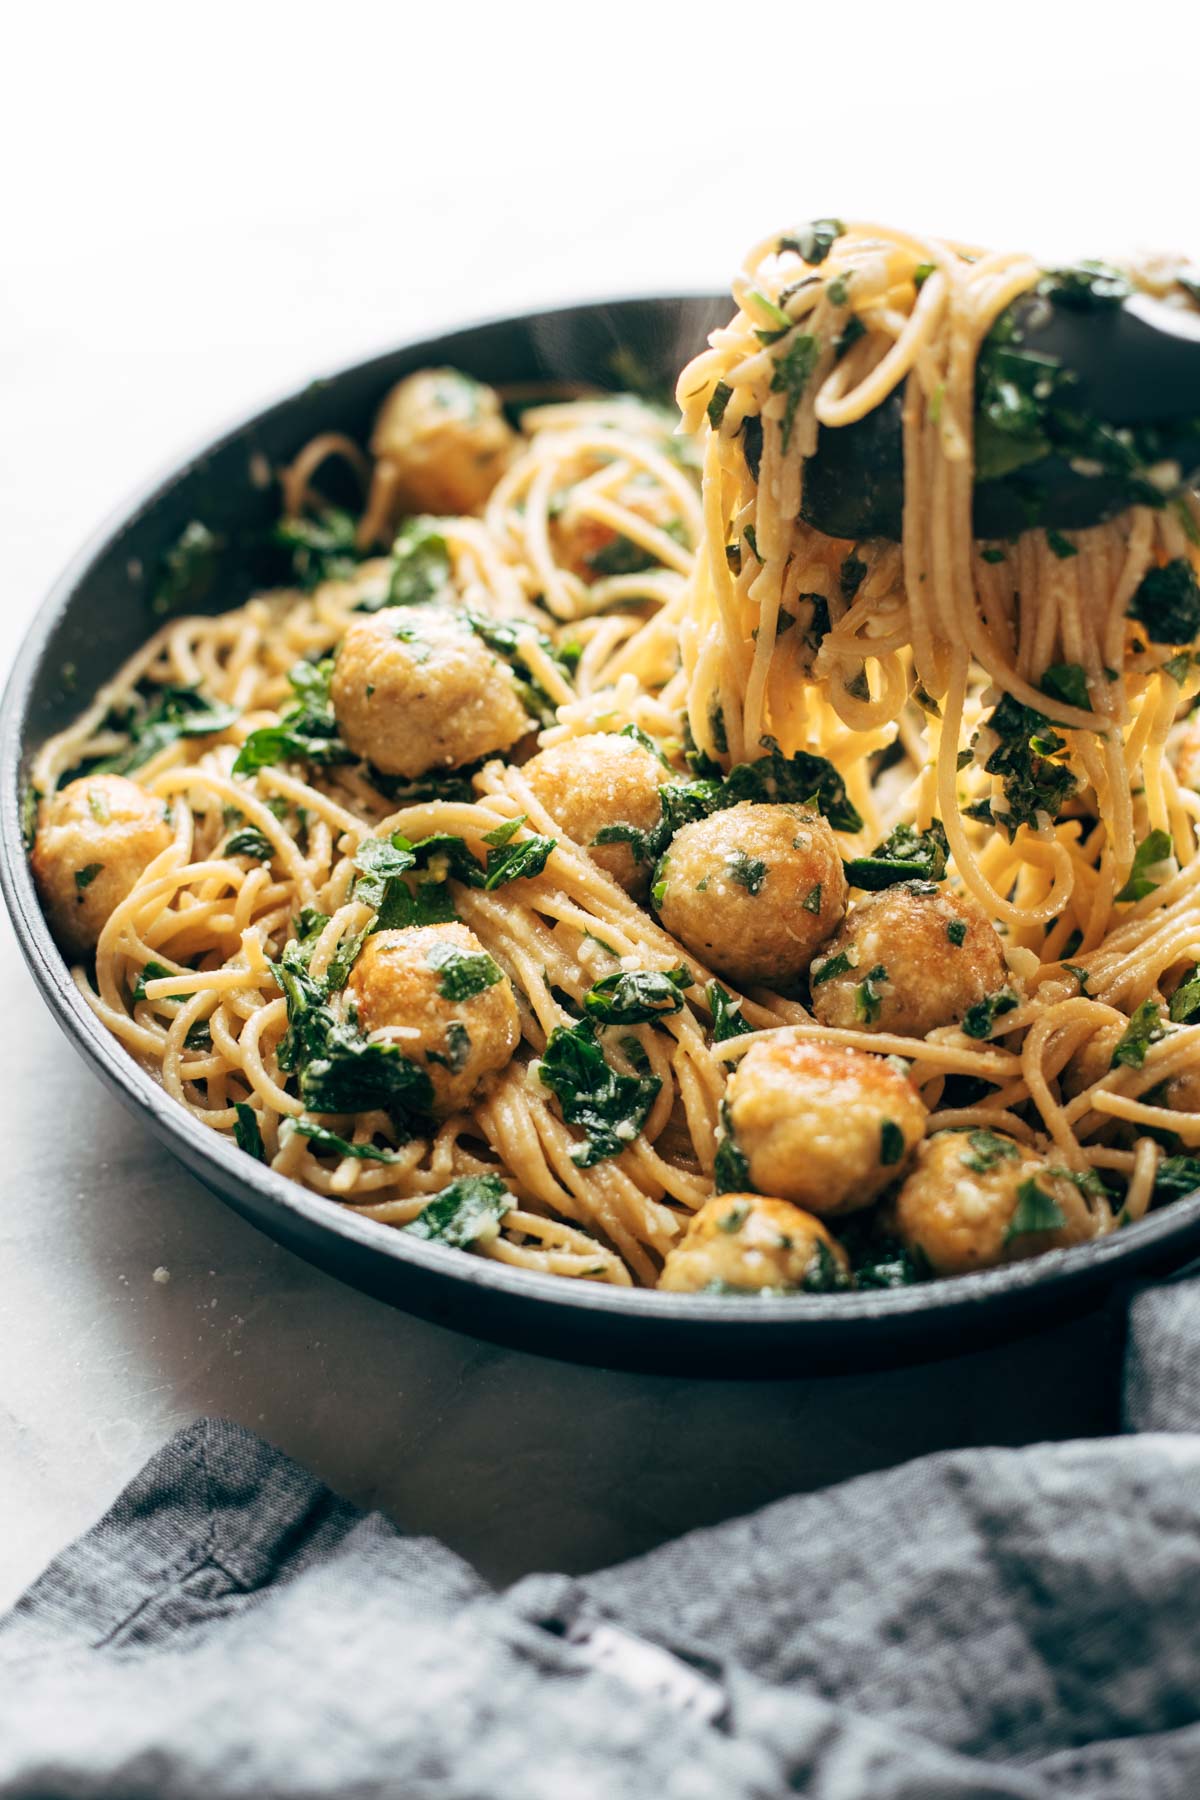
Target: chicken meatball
(747,1241)
(977,1199)
(908,959)
(753,891)
(415,688)
(438,995)
(96,837)
(442,442)
(599,785)
(824,1127)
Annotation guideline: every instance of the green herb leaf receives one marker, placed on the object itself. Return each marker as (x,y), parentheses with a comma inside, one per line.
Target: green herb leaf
(420,564)
(307,731)
(1145,1028)
(172,713)
(891,1148)
(250,842)
(633,997)
(1185,1001)
(469,1211)
(1152,851)
(246,1133)
(956,931)
(980,1018)
(840,964)
(987,1148)
(329,1140)
(721,396)
(731,1167)
(462,973)
(1032,782)
(904,855)
(1086,287)
(868,1001)
(794,779)
(517,862)
(1061,546)
(727,1014)
(748,871)
(85,877)
(1167,604)
(151,971)
(1035,1211)
(813,242)
(610,1109)
(322,548)
(1067,682)
(793,371)
(1176,1177)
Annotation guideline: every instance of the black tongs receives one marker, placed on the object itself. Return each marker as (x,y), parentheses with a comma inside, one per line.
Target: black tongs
(1087,401)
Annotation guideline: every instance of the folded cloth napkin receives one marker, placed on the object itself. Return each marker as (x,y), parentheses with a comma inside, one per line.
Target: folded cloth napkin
(987,1623)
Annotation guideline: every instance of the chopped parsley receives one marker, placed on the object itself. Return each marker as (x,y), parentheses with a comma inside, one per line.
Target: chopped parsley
(609,1108)
(793,371)
(1035,1211)
(462,974)
(721,396)
(307,730)
(151,971)
(980,1018)
(1185,1001)
(250,842)
(987,1148)
(1032,782)
(1152,851)
(811,902)
(507,639)
(1176,1177)
(457,1051)
(85,877)
(469,1211)
(891,1144)
(173,713)
(1067,682)
(734,1217)
(904,854)
(868,1001)
(956,931)
(634,997)
(1167,604)
(246,1133)
(420,565)
(726,1013)
(322,548)
(814,241)
(1145,1028)
(797,779)
(748,871)
(329,1140)
(731,1167)
(840,964)
(1061,545)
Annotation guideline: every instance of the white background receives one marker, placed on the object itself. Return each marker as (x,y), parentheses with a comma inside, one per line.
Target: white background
(204,205)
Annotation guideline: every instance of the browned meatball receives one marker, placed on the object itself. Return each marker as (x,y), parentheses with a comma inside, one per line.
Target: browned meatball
(591,785)
(825,1127)
(96,837)
(908,959)
(750,1241)
(753,891)
(978,1198)
(414,689)
(444,1002)
(444,440)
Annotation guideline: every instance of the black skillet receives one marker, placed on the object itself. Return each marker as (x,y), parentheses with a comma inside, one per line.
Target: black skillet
(98,614)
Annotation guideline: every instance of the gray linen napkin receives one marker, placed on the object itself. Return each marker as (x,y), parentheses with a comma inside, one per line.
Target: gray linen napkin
(980,1624)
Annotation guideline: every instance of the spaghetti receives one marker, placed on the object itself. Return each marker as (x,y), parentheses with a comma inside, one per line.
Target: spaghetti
(980,735)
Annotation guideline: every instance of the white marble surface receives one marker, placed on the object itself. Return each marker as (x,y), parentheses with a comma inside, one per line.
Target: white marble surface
(209,206)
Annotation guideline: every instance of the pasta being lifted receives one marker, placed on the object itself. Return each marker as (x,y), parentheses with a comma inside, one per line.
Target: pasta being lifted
(586,862)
